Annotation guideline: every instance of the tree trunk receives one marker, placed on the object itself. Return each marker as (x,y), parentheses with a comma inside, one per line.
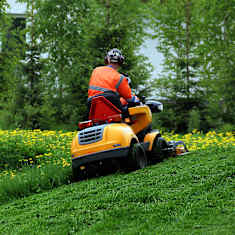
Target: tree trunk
(108,6)
(188,22)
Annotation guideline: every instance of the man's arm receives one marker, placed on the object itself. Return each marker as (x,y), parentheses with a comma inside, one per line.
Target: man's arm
(125,91)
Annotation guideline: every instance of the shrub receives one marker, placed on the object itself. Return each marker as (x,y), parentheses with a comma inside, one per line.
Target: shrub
(194,120)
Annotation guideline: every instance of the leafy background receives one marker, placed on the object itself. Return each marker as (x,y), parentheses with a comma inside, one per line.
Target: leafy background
(44,78)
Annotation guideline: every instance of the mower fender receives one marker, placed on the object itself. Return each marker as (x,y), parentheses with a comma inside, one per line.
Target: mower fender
(122,133)
(150,138)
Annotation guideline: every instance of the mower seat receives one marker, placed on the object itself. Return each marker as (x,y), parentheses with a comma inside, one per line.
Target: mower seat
(103,111)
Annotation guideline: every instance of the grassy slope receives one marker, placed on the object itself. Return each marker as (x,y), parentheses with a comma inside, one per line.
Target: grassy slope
(193,194)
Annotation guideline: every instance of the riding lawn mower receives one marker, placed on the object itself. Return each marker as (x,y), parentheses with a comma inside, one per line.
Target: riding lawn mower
(110,140)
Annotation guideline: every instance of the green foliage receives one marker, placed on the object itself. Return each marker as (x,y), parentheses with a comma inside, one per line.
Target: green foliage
(4,121)
(25,148)
(78,44)
(217,49)
(165,120)
(194,120)
(228,127)
(181,115)
(65,42)
(64,33)
(44,81)
(196,39)
(3,6)
(11,71)
(175,27)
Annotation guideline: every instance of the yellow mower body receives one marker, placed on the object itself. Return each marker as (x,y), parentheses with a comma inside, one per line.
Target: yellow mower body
(130,140)
(112,140)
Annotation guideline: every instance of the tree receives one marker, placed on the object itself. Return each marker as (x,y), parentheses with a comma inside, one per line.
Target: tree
(64,29)
(75,36)
(11,37)
(123,27)
(3,84)
(197,39)
(4,23)
(217,35)
(65,41)
(175,27)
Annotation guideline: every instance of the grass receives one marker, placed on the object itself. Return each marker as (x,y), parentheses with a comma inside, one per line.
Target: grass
(20,148)
(193,194)
(33,180)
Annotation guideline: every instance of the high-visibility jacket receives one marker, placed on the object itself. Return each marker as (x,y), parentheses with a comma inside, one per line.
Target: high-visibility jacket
(105,78)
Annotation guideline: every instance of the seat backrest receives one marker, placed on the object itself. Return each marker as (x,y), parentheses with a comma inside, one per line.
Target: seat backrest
(102,111)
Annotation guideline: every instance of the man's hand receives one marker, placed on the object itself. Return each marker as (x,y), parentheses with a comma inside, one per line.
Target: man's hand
(134,101)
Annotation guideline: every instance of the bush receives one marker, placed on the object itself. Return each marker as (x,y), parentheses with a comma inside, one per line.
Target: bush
(227,127)
(194,120)
(165,121)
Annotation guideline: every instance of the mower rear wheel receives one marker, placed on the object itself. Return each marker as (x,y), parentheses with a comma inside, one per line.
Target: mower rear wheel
(159,149)
(137,157)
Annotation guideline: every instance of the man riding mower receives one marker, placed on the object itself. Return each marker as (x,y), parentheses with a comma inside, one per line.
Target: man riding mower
(115,133)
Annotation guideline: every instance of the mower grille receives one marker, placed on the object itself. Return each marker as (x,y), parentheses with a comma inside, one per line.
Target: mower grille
(91,135)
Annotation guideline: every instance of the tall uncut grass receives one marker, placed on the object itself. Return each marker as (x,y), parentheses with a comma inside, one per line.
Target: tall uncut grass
(36,161)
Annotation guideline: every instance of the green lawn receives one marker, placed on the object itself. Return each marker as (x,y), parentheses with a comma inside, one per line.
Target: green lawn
(192,194)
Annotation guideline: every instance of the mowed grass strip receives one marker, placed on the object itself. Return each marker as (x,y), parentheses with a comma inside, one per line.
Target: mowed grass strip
(193,194)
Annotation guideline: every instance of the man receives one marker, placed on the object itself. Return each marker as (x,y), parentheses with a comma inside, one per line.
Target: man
(108,82)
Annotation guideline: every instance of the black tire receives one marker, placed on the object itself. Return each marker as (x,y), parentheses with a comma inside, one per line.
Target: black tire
(136,158)
(79,174)
(159,149)
(111,166)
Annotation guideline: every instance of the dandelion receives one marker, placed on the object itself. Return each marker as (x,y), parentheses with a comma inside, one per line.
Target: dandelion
(53,147)
(12,174)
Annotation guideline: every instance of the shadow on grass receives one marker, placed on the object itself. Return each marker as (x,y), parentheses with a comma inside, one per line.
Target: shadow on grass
(106,167)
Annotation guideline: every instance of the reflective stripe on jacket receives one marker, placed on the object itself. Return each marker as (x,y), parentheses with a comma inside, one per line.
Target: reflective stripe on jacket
(106,78)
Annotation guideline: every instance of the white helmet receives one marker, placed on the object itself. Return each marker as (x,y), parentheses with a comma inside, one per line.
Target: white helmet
(114,56)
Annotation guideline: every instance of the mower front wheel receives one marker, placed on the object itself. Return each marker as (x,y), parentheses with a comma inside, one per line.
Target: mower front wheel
(79,174)
(136,158)
(159,149)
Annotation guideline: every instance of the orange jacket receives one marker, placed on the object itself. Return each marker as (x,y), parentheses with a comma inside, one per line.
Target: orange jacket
(105,78)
